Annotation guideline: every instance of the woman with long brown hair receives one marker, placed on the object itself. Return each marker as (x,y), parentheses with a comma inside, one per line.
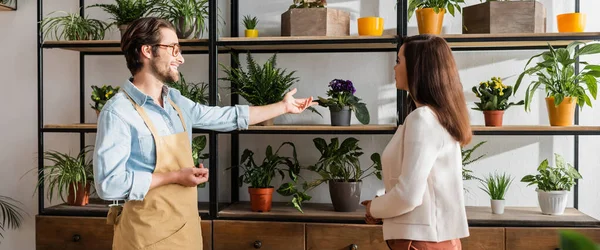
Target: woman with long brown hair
(423,207)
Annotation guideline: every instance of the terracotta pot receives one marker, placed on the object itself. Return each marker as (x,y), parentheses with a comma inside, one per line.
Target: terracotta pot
(79,198)
(261,199)
(571,22)
(493,118)
(430,22)
(561,115)
(123,28)
(266,123)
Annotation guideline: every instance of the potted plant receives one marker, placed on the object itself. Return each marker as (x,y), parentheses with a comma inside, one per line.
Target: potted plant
(100,95)
(496,187)
(342,102)
(313,18)
(261,85)
(430,13)
(502,16)
(198,145)
(553,184)
(72,26)
(250,24)
(563,86)
(259,177)
(339,165)
(493,95)
(188,16)
(467,174)
(68,174)
(11,214)
(196,92)
(125,12)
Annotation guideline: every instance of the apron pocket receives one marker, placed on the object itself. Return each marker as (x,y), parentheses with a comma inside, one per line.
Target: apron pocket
(169,241)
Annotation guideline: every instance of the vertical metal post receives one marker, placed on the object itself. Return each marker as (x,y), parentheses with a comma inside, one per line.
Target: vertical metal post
(213,136)
(401,31)
(235,137)
(40,106)
(576,137)
(81,83)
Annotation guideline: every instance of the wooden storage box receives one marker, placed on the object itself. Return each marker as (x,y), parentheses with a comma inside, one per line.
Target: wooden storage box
(315,22)
(504,17)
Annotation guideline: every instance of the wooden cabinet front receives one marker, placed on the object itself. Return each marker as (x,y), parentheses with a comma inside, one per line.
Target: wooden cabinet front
(241,235)
(344,237)
(542,238)
(484,238)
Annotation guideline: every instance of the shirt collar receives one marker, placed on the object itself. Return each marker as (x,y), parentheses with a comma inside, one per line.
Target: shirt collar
(138,96)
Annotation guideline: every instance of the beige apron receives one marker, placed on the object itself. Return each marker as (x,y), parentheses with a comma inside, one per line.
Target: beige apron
(168,217)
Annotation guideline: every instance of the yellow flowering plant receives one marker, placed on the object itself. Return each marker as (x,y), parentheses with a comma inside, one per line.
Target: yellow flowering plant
(100,95)
(493,95)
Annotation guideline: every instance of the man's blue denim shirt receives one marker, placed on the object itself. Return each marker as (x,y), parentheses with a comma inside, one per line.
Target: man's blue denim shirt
(124,154)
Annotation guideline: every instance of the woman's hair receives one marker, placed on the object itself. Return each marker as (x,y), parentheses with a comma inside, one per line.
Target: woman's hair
(433,80)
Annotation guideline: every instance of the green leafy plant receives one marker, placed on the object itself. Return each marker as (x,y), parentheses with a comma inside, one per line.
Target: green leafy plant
(6,2)
(100,95)
(66,172)
(341,94)
(197,92)
(190,17)
(198,145)
(126,11)
(466,160)
(451,5)
(556,72)
(11,214)
(493,95)
(572,240)
(308,4)
(250,22)
(72,26)
(496,185)
(561,177)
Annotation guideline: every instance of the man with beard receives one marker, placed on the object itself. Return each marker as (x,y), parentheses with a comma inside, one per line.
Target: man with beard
(143,145)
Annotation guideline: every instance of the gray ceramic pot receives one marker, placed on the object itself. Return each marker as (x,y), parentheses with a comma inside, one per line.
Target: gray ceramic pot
(341,117)
(345,196)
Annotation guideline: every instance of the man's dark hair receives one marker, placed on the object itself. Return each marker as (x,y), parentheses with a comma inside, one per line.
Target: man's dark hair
(143,31)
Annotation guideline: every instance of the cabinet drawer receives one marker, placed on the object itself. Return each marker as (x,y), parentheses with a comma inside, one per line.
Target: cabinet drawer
(240,235)
(89,233)
(343,237)
(484,238)
(542,238)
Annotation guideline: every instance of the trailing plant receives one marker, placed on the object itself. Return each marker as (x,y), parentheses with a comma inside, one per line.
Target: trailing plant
(100,95)
(451,5)
(188,16)
(72,26)
(197,92)
(559,178)
(341,94)
(127,11)
(250,23)
(466,160)
(11,214)
(556,72)
(308,4)
(496,185)
(66,172)
(493,95)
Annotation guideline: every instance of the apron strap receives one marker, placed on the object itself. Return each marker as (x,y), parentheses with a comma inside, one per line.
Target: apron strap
(180,115)
(144,116)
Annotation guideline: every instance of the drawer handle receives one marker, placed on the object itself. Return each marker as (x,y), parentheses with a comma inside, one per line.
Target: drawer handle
(76,238)
(353,247)
(257,244)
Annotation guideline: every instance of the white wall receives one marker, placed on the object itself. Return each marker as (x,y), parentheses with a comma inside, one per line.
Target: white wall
(371,72)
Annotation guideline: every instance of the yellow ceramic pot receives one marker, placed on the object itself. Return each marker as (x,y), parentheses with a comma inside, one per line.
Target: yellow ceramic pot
(251,33)
(561,115)
(370,26)
(430,22)
(571,22)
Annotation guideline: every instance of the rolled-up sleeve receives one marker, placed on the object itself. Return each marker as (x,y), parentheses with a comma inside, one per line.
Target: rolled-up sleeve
(113,179)
(216,118)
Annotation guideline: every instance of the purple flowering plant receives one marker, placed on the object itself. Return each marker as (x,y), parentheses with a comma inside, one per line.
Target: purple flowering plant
(341,94)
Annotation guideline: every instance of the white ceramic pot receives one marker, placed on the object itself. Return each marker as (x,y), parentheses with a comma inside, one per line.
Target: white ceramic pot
(552,202)
(497,206)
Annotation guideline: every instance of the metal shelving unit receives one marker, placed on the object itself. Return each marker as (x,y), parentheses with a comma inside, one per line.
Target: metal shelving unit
(213,46)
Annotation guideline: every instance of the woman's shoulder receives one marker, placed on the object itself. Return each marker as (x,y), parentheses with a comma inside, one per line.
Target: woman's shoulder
(423,116)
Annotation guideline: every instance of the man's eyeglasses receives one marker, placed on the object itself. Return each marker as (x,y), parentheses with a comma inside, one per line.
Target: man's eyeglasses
(175,48)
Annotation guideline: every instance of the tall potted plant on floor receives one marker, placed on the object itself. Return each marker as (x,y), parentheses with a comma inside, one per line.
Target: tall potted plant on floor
(259,176)
(563,86)
(430,13)
(342,102)
(493,95)
(125,12)
(496,186)
(553,184)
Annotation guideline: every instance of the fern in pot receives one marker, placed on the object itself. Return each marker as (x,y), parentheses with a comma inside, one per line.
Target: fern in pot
(342,102)
(72,26)
(259,176)
(190,17)
(124,12)
(496,187)
(553,184)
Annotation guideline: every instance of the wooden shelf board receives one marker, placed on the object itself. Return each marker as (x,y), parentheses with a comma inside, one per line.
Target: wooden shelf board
(321,127)
(4,7)
(535,128)
(98,207)
(115,45)
(477,216)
